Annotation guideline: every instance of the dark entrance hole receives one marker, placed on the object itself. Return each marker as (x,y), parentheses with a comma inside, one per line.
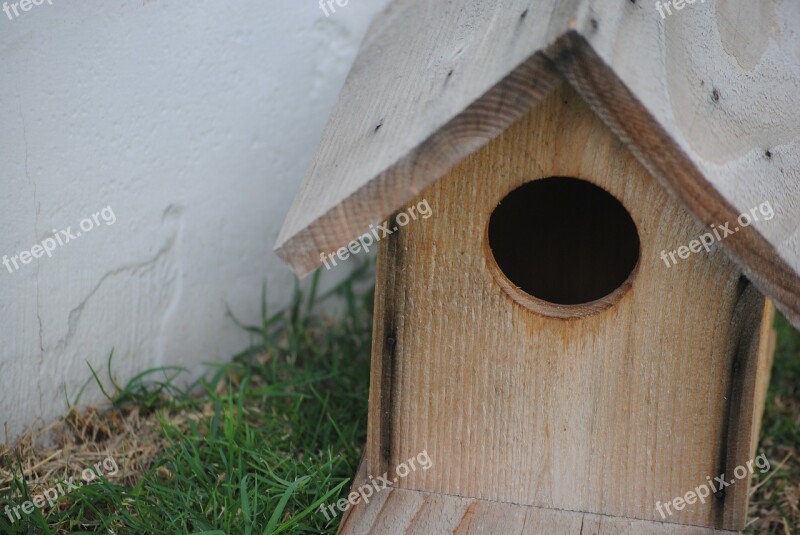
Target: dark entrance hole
(564,240)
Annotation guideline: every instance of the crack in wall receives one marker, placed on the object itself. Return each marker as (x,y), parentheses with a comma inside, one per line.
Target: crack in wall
(75,313)
(36,209)
(176,212)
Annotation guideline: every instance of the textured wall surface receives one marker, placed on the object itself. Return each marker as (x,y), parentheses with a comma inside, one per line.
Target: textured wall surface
(192,124)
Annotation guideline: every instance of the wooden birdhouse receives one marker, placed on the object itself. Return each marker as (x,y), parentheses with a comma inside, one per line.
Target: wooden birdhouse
(579,335)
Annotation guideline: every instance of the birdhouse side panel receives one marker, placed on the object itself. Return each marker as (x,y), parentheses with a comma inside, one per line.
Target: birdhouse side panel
(609,410)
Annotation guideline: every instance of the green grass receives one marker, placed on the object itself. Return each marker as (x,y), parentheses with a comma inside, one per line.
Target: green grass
(259,443)
(775,506)
(277,432)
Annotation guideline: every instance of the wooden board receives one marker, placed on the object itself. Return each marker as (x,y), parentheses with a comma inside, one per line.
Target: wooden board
(767,339)
(606,414)
(402,511)
(752,344)
(432,83)
(707,99)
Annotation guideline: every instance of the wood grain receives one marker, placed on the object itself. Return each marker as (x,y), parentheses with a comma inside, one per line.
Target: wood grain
(767,251)
(708,100)
(402,511)
(606,414)
(768,339)
(432,83)
(753,347)
(721,80)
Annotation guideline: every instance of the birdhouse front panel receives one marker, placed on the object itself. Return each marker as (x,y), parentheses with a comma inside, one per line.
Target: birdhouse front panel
(532,339)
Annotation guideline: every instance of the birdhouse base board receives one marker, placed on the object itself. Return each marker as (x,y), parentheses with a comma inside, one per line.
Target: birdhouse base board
(402,511)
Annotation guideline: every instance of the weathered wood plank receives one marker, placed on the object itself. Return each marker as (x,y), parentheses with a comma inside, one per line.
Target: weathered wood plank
(750,316)
(707,99)
(433,82)
(607,414)
(396,511)
(766,353)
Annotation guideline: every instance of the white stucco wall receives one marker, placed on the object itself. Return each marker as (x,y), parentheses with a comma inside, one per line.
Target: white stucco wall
(194,121)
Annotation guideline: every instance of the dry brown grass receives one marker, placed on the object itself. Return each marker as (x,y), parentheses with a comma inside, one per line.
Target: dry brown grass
(81,439)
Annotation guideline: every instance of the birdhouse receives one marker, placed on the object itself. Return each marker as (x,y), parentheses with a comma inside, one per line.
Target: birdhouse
(584,212)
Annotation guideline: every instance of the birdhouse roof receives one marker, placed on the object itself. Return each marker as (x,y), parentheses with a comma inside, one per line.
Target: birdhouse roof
(707,97)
